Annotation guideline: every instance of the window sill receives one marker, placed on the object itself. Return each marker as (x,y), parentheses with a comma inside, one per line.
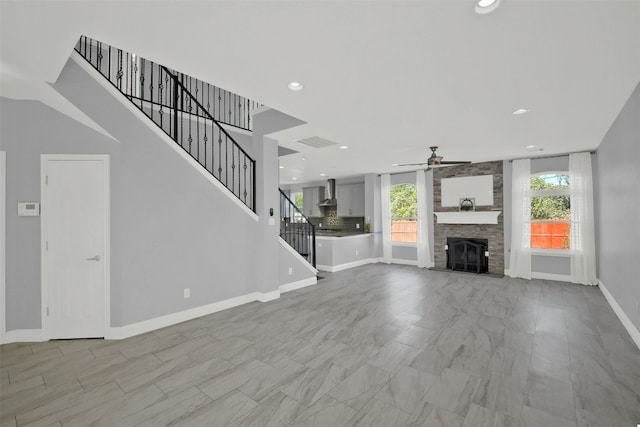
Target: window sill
(552,252)
(406,244)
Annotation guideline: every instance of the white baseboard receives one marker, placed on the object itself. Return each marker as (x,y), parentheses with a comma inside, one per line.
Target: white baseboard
(266,297)
(287,287)
(23,335)
(121,332)
(340,267)
(626,322)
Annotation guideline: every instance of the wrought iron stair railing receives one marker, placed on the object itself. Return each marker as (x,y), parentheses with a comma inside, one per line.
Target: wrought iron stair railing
(297,230)
(226,107)
(158,92)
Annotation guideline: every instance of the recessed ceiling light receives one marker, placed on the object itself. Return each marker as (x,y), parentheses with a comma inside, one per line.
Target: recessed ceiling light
(395,164)
(296,86)
(486,6)
(323,174)
(304,158)
(281,167)
(294,178)
(530,147)
(344,147)
(520,111)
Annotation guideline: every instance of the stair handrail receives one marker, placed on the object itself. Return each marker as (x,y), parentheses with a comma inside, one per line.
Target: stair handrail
(287,205)
(239,117)
(199,105)
(127,73)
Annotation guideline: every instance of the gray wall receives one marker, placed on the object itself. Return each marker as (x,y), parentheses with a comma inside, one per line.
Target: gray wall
(618,208)
(335,251)
(170,227)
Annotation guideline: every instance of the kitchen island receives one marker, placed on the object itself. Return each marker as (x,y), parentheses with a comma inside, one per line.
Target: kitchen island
(342,250)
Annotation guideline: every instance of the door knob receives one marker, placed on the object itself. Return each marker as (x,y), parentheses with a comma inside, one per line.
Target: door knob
(95,258)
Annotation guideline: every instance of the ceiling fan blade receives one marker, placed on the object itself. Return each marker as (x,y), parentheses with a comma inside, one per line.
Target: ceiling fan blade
(451,162)
(413,164)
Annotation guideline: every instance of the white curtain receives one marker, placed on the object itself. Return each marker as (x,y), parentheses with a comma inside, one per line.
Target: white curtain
(583,263)
(424,254)
(520,257)
(385,207)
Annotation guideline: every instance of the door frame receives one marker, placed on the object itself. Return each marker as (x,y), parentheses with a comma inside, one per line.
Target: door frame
(44,159)
(3,239)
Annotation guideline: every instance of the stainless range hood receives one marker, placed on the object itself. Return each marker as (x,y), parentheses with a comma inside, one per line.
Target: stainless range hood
(331,194)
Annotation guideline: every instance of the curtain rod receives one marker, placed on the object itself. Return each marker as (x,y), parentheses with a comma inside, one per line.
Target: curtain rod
(551,156)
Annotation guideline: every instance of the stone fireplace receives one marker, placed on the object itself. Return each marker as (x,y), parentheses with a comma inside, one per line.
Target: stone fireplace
(486,222)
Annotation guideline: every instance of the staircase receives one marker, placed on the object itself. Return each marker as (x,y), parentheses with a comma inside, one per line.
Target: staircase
(165,97)
(191,113)
(297,230)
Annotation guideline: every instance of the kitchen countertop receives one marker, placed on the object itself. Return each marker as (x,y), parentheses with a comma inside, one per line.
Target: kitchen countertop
(340,234)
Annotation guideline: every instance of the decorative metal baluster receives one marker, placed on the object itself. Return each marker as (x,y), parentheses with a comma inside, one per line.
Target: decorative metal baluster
(198,134)
(219,154)
(160,101)
(181,109)
(100,56)
(152,64)
(189,118)
(226,160)
(205,149)
(205,138)
(245,180)
(219,101)
(130,74)
(119,74)
(233,170)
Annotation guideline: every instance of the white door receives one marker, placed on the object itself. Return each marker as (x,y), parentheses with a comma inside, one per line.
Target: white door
(74,226)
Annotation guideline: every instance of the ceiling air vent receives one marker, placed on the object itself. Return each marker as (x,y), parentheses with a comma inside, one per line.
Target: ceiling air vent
(316,142)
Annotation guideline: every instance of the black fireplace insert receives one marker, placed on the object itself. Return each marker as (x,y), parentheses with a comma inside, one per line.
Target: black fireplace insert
(464,254)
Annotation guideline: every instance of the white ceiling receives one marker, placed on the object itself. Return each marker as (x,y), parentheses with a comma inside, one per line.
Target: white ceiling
(386,78)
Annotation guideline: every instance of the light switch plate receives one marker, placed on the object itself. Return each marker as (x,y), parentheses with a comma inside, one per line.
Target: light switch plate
(28,209)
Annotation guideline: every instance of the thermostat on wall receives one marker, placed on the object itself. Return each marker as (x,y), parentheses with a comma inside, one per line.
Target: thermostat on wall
(28,209)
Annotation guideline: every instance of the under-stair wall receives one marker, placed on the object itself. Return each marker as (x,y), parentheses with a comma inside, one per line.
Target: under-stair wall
(171,227)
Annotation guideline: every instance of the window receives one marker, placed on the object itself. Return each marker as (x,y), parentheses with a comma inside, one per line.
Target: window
(550,211)
(404,213)
(296,198)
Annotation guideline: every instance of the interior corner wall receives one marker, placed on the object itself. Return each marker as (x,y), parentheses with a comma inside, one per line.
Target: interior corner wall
(617,207)
(171,228)
(291,268)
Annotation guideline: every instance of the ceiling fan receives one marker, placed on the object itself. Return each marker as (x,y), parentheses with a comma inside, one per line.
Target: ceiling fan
(434,160)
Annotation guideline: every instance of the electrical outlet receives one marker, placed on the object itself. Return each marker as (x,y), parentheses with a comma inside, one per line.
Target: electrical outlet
(290,271)
(187,293)
(356,252)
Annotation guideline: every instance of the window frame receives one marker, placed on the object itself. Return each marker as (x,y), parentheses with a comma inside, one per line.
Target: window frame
(566,191)
(393,218)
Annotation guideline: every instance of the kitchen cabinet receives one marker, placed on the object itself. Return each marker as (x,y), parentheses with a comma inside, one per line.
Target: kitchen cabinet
(311,196)
(350,199)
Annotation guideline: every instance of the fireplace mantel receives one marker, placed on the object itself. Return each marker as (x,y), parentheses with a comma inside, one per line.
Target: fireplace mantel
(482,217)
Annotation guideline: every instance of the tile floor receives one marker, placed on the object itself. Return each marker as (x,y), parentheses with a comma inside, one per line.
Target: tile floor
(376,345)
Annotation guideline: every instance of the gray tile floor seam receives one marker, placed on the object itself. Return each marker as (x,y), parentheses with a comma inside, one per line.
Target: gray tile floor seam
(373,345)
